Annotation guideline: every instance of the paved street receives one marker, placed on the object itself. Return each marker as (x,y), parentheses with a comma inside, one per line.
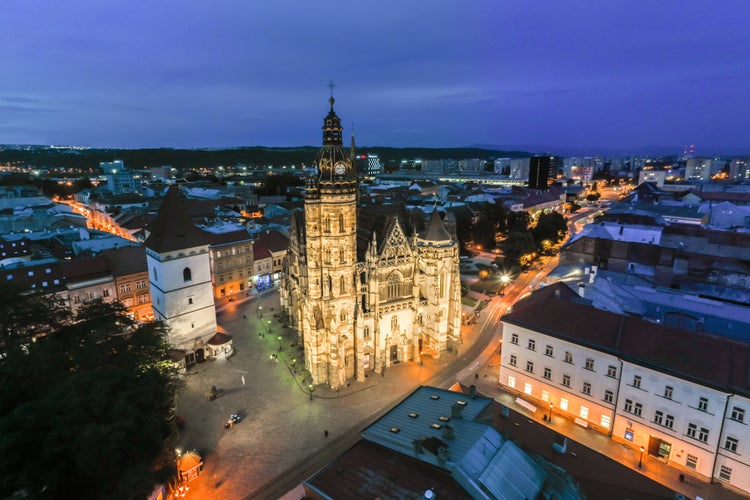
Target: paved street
(282,438)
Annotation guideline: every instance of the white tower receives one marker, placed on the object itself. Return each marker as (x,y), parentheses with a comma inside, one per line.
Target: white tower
(180,276)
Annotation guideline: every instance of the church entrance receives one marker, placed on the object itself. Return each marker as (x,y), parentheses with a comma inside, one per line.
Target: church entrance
(200,356)
(394,353)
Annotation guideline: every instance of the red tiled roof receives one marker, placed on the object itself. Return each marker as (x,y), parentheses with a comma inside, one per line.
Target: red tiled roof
(557,311)
(274,241)
(260,251)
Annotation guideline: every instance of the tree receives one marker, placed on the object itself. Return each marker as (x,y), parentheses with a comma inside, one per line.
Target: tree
(550,226)
(517,246)
(518,221)
(593,197)
(88,408)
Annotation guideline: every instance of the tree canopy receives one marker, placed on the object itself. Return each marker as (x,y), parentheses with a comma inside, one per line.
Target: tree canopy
(87,403)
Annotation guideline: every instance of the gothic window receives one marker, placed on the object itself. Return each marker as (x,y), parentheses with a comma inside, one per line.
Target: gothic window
(327,255)
(394,324)
(394,286)
(341,255)
(328,224)
(330,284)
(342,316)
(187,275)
(341,223)
(342,285)
(366,332)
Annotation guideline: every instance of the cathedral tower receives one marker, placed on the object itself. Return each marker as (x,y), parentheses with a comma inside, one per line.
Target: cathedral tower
(331,232)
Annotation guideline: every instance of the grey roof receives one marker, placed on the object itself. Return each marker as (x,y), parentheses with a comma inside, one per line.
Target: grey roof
(435,230)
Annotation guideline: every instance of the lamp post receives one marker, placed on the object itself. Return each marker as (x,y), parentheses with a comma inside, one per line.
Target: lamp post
(640,460)
(550,412)
(279,343)
(312,388)
(260,311)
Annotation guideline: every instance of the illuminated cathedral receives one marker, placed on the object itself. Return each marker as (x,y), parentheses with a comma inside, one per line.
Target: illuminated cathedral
(362,288)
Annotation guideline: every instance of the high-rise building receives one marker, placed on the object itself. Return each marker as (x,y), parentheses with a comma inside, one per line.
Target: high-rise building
(363,291)
(540,172)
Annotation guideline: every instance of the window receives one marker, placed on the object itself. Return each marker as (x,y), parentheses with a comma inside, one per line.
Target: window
(563,404)
(738,414)
(140,285)
(586,388)
(612,371)
(691,461)
(187,275)
(549,351)
(568,357)
(703,404)
(125,288)
(341,223)
(692,430)
(105,292)
(703,434)
(606,421)
(514,339)
(142,299)
(548,373)
(628,406)
(190,300)
(532,345)
(589,364)
(584,413)
(394,286)
(566,380)
(342,285)
(637,381)
(545,395)
(527,388)
(128,302)
(659,417)
(668,391)
(366,332)
(669,421)
(731,444)
(530,366)
(725,473)
(637,409)
(513,360)
(156,276)
(609,396)
(511,381)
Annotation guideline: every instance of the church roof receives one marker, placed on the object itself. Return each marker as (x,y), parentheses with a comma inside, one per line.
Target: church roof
(173,229)
(435,229)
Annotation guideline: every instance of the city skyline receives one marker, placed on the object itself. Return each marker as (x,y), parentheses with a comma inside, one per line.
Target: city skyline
(533,76)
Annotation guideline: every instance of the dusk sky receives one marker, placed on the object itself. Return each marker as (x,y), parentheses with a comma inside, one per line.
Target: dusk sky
(589,75)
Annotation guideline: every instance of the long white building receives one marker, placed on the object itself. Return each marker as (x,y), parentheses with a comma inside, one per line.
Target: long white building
(683,396)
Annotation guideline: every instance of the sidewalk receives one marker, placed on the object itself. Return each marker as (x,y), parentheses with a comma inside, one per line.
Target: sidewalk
(486,380)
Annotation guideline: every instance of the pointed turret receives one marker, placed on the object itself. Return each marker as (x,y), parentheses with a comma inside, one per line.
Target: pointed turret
(436,232)
(173,229)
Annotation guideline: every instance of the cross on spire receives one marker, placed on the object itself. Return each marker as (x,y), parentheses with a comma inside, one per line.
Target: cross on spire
(331,86)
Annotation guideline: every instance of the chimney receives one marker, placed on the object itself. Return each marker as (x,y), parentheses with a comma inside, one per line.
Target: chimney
(473,391)
(448,432)
(456,410)
(418,445)
(442,455)
(581,289)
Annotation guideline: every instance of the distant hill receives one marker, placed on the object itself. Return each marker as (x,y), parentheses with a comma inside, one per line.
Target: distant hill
(44,156)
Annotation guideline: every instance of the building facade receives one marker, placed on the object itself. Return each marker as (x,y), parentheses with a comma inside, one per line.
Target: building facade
(681,395)
(361,291)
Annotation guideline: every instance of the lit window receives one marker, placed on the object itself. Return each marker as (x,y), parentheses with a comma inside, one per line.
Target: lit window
(563,404)
(511,381)
(606,421)
(527,388)
(545,395)
(584,413)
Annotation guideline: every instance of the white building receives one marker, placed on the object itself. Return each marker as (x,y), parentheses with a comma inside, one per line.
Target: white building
(179,272)
(681,395)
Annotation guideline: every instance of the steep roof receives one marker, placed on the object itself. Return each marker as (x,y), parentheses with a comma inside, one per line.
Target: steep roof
(435,229)
(706,359)
(173,229)
(124,261)
(274,241)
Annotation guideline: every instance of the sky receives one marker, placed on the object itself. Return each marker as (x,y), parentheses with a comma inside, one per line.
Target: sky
(589,76)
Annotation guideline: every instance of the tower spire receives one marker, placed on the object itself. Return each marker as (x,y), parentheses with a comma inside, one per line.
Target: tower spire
(331,86)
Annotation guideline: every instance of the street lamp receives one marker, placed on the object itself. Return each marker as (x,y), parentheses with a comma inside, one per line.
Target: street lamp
(550,412)
(279,343)
(312,388)
(260,311)
(640,460)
